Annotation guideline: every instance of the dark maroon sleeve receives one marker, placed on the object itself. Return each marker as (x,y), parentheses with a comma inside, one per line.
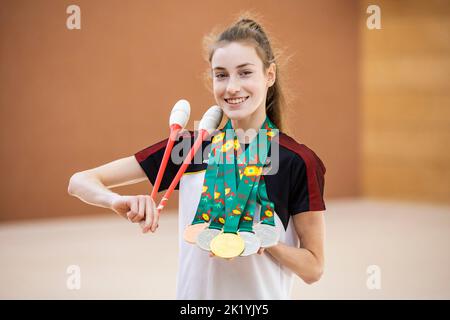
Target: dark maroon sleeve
(307,182)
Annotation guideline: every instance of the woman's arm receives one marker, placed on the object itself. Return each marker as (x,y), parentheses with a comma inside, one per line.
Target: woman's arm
(308,260)
(92,186)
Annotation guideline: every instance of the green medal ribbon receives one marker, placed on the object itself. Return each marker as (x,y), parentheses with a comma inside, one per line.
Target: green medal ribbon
(232,183)
(246,220)
(267,213)
(204,209)
(219,216)
(249,179)
(224,190)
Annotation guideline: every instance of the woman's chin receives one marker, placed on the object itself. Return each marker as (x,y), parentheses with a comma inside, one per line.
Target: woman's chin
(235,114)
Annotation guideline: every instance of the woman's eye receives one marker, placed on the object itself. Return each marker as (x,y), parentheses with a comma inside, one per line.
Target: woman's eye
(246,73)
(220,75)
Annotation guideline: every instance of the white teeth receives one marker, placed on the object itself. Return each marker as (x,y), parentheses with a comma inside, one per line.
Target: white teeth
(236,101)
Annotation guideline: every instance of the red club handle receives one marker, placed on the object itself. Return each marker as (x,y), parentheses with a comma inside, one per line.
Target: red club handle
(183,168)
(174,129)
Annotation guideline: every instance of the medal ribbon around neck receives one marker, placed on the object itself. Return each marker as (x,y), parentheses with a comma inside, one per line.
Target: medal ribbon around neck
(225,181)
(203,214)
(229,243)
(267,214)
(223,201)
(205,206)
(250,167)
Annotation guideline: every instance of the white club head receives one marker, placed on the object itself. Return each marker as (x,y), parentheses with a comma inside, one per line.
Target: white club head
(180,113)
(211,119)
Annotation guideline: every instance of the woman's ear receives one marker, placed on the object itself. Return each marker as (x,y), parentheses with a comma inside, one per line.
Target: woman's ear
(271,74)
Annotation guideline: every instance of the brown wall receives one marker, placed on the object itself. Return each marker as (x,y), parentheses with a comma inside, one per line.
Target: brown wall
(75,99)
(406,102)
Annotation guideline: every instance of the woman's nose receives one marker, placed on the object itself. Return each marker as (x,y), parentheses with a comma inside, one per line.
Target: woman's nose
(233,86)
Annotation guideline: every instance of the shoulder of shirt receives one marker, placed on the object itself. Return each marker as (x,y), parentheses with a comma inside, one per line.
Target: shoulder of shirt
(300,152)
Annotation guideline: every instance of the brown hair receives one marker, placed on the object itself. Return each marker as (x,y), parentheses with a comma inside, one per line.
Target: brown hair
(249,31)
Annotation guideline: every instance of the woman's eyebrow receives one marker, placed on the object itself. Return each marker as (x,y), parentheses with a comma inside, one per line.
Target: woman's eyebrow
(239,66)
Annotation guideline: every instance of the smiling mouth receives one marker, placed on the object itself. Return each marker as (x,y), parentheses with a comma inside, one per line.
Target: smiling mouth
(236,100)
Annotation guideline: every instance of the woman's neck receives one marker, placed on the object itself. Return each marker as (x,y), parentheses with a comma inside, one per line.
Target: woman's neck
(246,129)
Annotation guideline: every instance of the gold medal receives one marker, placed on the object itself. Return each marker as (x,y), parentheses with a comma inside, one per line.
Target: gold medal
(192,231)
(227,245)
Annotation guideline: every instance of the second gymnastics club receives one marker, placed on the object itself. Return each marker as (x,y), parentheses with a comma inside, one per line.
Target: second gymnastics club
(209,123)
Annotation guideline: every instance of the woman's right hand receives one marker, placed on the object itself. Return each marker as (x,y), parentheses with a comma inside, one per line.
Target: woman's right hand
(137,209)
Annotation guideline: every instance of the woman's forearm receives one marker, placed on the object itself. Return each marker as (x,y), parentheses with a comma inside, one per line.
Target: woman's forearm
(91,190)
(300,260)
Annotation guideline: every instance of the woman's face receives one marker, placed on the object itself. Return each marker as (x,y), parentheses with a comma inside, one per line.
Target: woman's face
(239,82)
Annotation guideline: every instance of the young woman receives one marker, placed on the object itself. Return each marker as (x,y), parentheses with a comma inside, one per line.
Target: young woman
(246,88)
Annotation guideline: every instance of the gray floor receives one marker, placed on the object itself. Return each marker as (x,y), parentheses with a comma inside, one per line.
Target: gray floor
(409,244)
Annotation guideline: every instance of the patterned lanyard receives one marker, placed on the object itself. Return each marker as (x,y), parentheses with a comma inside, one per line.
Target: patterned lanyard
(249,164)
(232,187)
(267,207)
(205,206)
